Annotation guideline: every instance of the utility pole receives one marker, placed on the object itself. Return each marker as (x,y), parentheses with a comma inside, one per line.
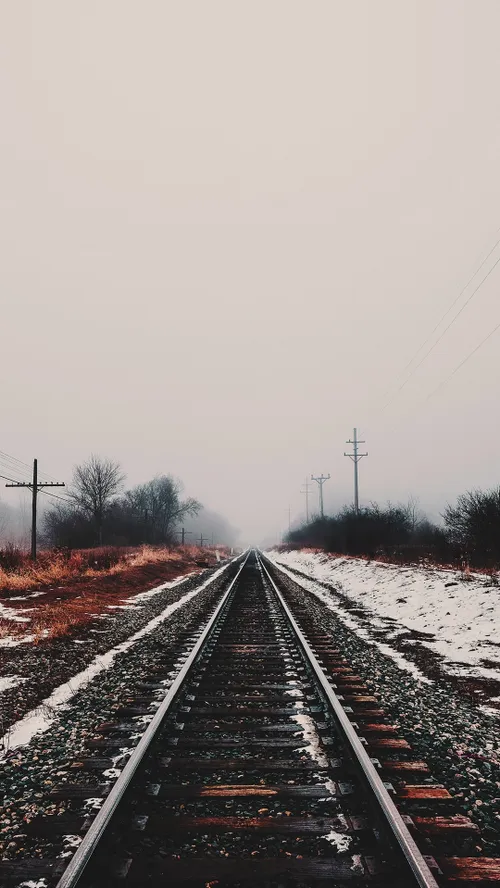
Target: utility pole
(355,458)
(184,534)
(35,486)
(201,540)
(321,480)
(306,491)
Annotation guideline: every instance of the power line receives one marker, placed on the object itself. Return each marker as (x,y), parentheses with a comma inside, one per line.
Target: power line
(356,457)
(48,476)
(9,462)
(14,459)
(20,467)
(35,486)
(7,479)
(320,481)
(470,355)
(12,468)
(438,340)
(462,291)
(64,499)
(16,476)
(40,490)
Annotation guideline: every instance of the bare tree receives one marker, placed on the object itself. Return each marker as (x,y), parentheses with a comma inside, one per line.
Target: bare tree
(413,512)
(158,506)
(94,485)
(473,523)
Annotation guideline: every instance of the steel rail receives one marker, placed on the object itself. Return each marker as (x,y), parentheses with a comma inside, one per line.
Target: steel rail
(82,856)
(420,869)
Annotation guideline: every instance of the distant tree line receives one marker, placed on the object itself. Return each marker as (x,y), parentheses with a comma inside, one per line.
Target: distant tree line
(96,511)
(470,534)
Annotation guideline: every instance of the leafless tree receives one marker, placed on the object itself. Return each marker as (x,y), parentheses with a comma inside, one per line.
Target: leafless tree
(473,523)
(94,485)
(413,512)
(158,505)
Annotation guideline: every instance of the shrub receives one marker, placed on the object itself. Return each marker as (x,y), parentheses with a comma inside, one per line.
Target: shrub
(12,558)
(473,524)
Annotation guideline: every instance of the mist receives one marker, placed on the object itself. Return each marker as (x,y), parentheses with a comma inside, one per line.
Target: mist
(15,524)
(227,228)
(214,529)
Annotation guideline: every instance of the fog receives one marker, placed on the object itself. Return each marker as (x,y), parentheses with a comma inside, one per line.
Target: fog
(227,227)
(15,524)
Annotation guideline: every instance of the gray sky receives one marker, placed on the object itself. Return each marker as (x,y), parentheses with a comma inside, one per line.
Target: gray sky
(227,226)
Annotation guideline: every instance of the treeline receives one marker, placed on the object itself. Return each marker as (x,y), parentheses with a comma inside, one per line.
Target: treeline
(96,511)
(470,534)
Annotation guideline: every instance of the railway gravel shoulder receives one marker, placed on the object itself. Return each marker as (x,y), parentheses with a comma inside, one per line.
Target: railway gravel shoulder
(29,773)
(44,666)
(459,741)
(268,721)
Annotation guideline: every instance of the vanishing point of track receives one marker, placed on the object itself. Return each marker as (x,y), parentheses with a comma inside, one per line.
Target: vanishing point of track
(267,760)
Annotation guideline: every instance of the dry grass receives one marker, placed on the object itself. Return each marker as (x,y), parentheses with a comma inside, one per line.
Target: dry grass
(465,571)
(56,568)
(73,597)
(59,619)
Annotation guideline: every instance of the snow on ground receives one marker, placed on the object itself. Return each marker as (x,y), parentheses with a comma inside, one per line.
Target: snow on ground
(150,593)
(11,613)
(10,681)
(40,719)
(134,602)
(9,642)
(460,617)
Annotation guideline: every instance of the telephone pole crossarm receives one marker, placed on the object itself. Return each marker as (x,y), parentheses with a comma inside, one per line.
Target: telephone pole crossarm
(355,457)
(30,485)
(35,485)
(320,481)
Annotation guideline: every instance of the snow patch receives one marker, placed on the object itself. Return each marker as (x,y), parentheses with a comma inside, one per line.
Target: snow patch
(11,613)
(40,719)
(354,623)
(459,616)
(145,596)
(340,841)
(312,745)
(10,681)
(11,642)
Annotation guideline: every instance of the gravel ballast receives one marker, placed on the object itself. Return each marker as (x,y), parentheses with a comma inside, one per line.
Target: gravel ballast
(459,741)
(40,668)
(29,773)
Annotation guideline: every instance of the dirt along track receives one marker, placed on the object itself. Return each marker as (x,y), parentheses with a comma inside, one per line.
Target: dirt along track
(114,608)
(250,767)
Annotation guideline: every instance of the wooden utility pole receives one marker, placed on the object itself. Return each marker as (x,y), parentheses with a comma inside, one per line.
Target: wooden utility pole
(356,456)
(184,534)
(35,486)
(321,480)
(201,540)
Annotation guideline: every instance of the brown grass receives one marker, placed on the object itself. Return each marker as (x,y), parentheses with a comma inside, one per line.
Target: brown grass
(466,572)
(77,590)
(56,568)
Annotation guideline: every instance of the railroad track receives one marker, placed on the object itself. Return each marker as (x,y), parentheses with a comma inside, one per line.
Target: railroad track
(267,760)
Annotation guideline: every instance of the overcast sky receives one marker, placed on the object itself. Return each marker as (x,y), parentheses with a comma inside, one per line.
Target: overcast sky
(227,227)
